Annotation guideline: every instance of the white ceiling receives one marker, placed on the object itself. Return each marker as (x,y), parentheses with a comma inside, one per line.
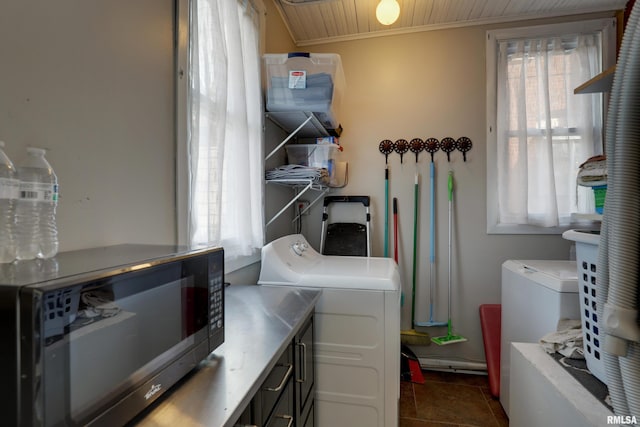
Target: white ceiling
(320,21)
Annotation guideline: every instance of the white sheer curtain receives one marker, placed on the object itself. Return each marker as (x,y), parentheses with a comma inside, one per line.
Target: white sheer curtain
(544,131)
(225,138)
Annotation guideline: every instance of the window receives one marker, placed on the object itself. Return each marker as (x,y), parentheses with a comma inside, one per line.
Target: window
(539,132)
(224,127)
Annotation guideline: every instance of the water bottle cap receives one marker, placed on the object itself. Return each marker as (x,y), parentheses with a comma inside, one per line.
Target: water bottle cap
(35,150)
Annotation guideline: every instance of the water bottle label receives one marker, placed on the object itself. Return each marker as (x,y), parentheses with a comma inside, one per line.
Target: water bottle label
(38,192)
(9,188)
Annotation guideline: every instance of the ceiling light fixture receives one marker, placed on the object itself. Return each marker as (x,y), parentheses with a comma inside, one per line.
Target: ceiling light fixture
(387,11)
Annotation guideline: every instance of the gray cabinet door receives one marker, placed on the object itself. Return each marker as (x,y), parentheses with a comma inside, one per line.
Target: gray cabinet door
(305,374)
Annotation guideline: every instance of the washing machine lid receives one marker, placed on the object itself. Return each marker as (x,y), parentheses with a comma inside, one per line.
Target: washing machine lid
(560,276)
(291,261)
(351,273)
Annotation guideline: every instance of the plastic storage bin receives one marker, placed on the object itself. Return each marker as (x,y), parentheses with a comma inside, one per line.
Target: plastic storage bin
(312,82)
(587,256)
(313,155)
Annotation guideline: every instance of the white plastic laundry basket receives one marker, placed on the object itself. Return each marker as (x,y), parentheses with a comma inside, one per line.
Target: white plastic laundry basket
(587,256)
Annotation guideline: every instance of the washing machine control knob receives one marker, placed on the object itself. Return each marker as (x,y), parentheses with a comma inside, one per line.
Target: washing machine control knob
(299,248)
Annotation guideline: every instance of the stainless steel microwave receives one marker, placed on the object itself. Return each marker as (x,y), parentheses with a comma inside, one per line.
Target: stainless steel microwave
(92,337)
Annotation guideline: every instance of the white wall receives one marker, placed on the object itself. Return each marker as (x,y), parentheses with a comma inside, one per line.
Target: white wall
(429,84)
(92,82)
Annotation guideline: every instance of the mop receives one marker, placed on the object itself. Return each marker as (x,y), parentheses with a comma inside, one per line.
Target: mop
(432,250)
(450,338)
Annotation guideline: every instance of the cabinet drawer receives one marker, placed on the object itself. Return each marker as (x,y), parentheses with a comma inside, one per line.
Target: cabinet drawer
(275,384)
(283,413)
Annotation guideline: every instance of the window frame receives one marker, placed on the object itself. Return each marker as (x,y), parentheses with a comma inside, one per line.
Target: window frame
(184,178)
(493,37)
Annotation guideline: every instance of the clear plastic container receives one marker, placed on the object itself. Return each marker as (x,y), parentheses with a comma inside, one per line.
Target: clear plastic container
(313,155)
(301,81)
(36,231)
(9,187)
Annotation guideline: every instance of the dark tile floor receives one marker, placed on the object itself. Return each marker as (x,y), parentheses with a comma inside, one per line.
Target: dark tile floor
(450,400)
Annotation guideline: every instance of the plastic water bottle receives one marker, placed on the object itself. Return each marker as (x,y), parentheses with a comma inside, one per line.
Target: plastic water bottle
(36,231)
(8,194)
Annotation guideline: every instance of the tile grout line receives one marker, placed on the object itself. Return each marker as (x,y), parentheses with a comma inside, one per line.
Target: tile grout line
(415,401)
(480,388)
(491,411)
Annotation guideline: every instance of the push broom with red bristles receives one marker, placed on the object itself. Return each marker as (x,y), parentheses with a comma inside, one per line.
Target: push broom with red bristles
(410,366)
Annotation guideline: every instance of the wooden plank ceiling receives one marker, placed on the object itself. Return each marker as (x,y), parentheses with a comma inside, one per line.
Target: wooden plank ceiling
(321,21)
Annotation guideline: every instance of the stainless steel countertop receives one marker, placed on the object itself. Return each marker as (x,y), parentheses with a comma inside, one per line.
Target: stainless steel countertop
(260,321)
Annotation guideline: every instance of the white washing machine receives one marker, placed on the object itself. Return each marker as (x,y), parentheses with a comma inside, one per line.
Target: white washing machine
(535,296)
(357,322)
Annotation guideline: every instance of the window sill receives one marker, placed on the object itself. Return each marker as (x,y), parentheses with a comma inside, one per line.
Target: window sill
(583,221)
(238,263)
(524,229)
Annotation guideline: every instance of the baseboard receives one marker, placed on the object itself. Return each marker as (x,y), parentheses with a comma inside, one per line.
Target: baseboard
(464,366)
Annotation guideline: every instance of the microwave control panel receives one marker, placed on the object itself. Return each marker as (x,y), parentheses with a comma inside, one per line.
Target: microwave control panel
(216,299)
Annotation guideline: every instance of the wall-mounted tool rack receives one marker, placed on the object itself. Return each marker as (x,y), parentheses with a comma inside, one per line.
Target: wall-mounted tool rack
(431,145)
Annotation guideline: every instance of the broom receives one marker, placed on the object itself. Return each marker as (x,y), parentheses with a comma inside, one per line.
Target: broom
(432,255)
(410,366)
(450,338)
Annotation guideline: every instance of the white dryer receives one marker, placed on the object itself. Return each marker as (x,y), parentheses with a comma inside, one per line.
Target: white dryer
(357,320)
(535,296)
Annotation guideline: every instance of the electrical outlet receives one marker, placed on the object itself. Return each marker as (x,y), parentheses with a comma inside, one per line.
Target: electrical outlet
(302,207)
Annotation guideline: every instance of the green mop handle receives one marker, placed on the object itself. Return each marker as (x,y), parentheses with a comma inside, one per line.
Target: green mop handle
(386,212)
(450,188)
(415,251)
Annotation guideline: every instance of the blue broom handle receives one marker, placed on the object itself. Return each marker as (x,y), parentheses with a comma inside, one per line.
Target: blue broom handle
(432,243)
(432,238)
